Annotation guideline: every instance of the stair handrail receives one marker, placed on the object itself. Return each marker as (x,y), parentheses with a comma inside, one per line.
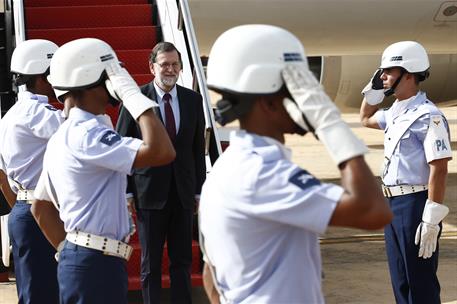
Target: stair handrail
(172,14)
(19,27)
(9,28)
(19,21)
(198,67)
(7,94)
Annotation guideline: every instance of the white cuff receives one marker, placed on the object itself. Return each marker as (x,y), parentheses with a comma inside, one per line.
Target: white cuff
(60,246)
(129,195)
(434,213)
(340,141)
(138,104)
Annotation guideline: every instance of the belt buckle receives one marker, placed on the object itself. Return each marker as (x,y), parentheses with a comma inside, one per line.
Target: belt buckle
(387,192)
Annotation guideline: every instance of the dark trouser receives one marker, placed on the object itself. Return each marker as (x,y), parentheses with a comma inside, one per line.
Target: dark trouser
(174,224)
(34,263)
(414,279)
(88,276)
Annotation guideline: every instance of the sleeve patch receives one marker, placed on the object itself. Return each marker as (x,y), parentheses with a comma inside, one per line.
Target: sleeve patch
(303,179)
(437,144)
(110,137)
(440,145)
(50,107)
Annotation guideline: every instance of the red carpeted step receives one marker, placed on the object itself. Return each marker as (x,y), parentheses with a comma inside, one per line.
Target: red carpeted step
(136,61)
(120,38)
(38,3)
(134,267)
(113,112)
(88,16)
(196,278)
(4,277)
(142,78)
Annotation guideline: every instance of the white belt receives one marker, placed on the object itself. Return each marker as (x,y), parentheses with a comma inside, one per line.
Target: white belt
(106,245)
(390,191)
(25,195)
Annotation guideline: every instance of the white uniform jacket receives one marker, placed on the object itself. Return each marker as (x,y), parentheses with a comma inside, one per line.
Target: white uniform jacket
(86,163)
(260,216)
(24,133)
(417,133)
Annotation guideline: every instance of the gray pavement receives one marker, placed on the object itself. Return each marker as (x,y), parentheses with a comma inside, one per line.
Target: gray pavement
(354,261)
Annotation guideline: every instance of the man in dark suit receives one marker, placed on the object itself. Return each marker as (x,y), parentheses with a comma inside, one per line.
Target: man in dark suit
(166,196)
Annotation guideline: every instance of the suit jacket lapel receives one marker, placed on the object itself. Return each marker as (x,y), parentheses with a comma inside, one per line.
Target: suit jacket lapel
(154,97)
(183,112)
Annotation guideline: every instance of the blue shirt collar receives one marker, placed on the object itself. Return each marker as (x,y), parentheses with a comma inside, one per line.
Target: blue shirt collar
(160,92)
(267,147)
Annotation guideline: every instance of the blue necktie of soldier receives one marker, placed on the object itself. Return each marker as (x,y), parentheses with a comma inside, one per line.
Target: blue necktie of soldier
(170,124)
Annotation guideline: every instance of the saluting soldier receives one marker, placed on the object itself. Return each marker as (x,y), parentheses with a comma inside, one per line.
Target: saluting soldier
(416,152)
(261,215)
(86,163)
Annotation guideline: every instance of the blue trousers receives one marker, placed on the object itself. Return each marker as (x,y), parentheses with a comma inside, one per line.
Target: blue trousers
(34,263)
(87,276)
(414,279)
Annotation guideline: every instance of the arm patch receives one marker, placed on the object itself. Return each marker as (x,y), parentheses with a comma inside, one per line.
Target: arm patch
(437,144)
(303,179)
(110,137)
(50,107)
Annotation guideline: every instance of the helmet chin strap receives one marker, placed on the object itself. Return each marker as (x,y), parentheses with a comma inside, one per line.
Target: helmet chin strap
(391,90)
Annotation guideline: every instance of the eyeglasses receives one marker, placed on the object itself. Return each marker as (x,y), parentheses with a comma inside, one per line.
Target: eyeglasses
(166,65)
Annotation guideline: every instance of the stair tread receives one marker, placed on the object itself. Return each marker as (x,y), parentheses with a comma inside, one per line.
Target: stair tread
(135,282)
(142,79)
(89,16)
(38,3)
(120,38)
(136,61)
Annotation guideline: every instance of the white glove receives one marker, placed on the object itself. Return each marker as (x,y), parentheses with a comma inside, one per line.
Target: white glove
(296,115)
(126,89)
(59,249)
(428,230)
(320,115)
(131,208)
(374,90)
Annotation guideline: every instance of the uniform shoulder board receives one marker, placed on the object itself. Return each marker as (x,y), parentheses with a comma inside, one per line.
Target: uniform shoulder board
(110,137)
(303,179)
(89,124)
(50,107)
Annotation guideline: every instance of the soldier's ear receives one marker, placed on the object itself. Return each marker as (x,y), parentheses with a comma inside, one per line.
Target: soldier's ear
(268,104)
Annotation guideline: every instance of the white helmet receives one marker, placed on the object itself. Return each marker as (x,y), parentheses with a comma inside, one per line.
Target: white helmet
(32,57)
(80,64)
(409,55)
(248,59)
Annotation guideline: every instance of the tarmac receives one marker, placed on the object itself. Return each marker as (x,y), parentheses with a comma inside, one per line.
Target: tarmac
(354,261)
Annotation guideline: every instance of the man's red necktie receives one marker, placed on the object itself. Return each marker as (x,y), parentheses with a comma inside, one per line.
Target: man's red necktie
(170,124)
